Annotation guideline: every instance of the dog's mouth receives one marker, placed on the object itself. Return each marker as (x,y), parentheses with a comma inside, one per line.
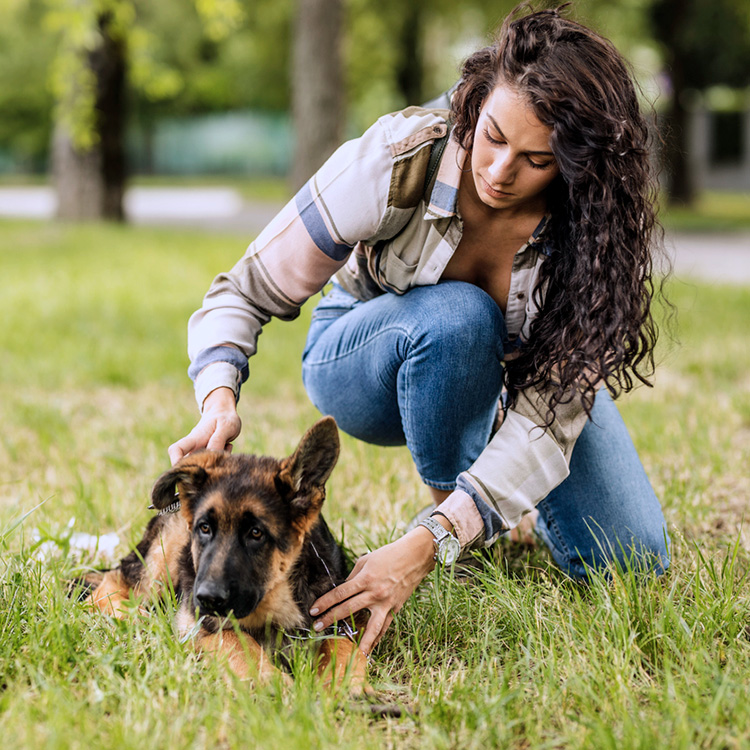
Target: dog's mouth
(209,605)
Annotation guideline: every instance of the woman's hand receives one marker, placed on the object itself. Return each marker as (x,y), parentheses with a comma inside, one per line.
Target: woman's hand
(381,582)
(218,426)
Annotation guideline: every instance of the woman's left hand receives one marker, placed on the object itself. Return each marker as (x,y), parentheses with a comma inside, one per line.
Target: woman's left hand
(381,582)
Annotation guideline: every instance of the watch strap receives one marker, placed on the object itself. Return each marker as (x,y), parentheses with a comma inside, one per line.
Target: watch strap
(447,547)
(436,529)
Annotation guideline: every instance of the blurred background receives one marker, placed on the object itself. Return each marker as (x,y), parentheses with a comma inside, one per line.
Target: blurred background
(99,96)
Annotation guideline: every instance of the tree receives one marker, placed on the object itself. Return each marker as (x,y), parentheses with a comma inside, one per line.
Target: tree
(703,44)
(89,170)
(98,41)
(25,110)
(317,85)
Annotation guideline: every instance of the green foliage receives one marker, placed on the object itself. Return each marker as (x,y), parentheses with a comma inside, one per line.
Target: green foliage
(713,211)
(711,40)
(25,99)
(224,56)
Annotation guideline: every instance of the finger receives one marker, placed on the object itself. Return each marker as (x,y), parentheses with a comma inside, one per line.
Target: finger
(336,595)
(357,567)
(217,442)
(373,631)
(181,448)
(386,625)
(342,611)
(223,432)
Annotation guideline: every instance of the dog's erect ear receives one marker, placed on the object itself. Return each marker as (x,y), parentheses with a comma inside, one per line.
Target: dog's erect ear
(309,467)
(188,477)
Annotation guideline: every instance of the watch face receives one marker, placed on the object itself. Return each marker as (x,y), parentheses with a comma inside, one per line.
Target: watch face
(448,550)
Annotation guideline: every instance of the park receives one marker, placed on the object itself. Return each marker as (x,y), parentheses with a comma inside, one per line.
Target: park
(93,388)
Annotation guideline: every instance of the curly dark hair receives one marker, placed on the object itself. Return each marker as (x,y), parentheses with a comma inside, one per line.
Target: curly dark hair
(595,288)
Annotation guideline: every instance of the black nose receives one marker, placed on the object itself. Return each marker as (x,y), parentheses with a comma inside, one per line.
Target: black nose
(212,598)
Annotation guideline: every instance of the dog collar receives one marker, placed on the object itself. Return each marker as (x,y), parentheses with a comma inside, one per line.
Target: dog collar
(172,508)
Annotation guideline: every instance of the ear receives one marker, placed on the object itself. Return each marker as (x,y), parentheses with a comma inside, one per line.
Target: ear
(188,477)
(305,472)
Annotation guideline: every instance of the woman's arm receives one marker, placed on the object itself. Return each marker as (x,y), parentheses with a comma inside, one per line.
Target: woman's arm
(518,468)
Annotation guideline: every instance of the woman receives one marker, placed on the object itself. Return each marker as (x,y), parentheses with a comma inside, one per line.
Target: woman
(506,245)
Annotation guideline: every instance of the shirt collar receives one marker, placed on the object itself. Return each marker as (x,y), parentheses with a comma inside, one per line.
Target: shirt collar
(444,195)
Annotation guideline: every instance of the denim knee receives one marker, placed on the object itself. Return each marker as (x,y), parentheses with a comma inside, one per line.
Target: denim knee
(646,552)
(461,314)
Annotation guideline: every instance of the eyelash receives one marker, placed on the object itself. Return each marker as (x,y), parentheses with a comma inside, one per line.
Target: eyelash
(532,164)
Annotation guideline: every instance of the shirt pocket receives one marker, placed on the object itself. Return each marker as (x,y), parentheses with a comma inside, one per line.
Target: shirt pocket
(397,273)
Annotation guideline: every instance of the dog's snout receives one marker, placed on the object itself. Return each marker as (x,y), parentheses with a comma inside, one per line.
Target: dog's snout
(212,597)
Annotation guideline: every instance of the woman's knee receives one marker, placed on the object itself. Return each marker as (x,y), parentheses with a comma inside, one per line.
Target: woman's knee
(645,552)
(455,315)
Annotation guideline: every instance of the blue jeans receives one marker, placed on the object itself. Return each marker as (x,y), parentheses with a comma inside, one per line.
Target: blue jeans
(425,369)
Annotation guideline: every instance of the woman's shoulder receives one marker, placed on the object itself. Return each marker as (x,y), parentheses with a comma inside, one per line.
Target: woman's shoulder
(410,128)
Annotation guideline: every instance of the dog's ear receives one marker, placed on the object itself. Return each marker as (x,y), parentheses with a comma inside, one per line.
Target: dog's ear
(305,472)
(188,477)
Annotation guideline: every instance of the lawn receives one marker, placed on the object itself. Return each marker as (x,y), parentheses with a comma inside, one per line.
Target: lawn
(93,389)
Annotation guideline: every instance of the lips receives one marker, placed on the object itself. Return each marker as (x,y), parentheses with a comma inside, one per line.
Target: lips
(492,191)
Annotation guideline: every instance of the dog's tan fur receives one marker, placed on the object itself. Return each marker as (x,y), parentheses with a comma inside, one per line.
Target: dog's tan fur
(248,539)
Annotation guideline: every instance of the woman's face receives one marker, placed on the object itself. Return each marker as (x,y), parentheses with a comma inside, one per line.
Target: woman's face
(511,160)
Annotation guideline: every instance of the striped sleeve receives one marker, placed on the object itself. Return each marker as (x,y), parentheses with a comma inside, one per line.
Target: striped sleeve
(522,463)
(292,259)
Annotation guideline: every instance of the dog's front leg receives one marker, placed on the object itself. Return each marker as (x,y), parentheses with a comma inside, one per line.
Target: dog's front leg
(244,655)
(112,595)
(341,659)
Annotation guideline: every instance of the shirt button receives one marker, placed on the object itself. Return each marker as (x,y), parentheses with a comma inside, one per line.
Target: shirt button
(521,295)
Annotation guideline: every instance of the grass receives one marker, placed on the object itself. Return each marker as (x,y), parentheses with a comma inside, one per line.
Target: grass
(714,211)
(92,390)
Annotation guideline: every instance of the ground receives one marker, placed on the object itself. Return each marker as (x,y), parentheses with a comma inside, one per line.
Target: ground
(93,389)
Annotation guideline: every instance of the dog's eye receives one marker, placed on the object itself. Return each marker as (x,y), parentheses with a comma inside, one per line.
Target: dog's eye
(204,528)
(256,533)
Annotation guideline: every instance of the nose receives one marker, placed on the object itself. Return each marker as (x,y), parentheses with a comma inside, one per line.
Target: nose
(502,171)
(212,597)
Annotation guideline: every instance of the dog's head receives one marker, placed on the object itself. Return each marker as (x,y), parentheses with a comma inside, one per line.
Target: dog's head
(248,517)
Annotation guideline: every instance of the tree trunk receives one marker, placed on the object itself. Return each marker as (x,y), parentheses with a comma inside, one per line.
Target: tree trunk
(317,86)
(410,72)
(670,18)
(90,183)
(681,188)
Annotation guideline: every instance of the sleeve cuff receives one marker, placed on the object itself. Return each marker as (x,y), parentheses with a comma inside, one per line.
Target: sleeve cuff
(521,465)
(213,354)
(217,375)
(461,510)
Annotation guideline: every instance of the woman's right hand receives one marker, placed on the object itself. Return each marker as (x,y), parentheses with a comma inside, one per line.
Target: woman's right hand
(218,427)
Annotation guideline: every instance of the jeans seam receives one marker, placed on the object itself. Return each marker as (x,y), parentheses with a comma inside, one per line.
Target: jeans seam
(446,486)
(552,525)
(358,347)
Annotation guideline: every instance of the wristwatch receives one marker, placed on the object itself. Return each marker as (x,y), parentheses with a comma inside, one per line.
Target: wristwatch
(447,547)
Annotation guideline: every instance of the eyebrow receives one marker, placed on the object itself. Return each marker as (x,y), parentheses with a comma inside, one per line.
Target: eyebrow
(502,135)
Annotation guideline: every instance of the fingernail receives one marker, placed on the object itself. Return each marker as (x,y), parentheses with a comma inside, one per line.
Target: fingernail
(318,625)
(314,611)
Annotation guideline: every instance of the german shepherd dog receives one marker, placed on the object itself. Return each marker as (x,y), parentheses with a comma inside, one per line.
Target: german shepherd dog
(245,538)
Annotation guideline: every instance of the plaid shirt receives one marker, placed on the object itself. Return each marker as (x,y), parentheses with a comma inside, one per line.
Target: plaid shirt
(373,218)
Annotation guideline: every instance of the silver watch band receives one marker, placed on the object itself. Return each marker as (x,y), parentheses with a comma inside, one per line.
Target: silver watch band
(447,547)
(436,529)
